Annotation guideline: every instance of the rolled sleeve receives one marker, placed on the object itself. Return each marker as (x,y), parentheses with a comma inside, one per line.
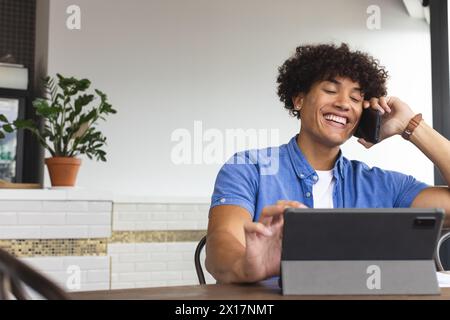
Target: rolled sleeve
(406,189)
(237,183)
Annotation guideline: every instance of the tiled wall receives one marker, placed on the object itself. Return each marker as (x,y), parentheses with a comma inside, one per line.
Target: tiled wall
(55,219)
(85,224)
(135,216)
(94,271)
(145,264)
(136,265)
(120,245)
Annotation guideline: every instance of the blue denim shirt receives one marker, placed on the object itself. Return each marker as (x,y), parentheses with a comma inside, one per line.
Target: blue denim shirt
(257,178)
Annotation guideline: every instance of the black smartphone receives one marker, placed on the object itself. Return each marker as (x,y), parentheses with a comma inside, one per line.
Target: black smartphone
(369,125)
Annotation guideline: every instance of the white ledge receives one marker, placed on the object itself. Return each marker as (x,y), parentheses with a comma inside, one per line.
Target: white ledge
(125,198)
(62,194)
(81,194)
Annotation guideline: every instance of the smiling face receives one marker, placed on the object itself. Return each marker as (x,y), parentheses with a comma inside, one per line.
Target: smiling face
(331,110)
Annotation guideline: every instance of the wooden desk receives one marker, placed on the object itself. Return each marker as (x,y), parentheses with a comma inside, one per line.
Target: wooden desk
(267,290)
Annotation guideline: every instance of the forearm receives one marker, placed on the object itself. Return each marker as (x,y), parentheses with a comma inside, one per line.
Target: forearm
(434,146)
(224,257)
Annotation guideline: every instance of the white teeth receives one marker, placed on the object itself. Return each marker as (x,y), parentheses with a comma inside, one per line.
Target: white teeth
(334,118)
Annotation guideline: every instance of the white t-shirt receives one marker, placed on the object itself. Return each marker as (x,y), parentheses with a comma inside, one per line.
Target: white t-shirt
(323,190)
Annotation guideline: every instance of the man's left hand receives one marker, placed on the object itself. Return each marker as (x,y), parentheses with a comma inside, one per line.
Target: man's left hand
(395,116)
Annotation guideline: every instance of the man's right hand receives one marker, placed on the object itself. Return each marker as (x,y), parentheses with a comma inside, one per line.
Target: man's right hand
(263,239)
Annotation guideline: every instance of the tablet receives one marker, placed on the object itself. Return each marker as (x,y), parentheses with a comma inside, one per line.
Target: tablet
(331,251)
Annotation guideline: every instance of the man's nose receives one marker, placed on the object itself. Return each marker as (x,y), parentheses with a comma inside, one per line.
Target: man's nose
(342,103)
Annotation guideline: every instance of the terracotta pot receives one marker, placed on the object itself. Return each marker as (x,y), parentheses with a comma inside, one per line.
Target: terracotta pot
(63,170)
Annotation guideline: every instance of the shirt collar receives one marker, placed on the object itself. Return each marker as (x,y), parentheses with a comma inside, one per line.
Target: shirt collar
(302,167)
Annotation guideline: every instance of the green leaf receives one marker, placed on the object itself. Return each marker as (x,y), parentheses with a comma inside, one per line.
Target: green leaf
(3,118)
(80,102)
(2,135)
(8,128)
(91,115)
(42,107)
(24,124)
(101,94)
(72,86)
(83,84)
(83,100)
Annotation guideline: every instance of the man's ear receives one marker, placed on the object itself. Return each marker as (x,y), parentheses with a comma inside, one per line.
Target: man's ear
(298,100)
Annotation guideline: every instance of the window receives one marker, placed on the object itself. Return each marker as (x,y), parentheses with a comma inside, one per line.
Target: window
(8,145)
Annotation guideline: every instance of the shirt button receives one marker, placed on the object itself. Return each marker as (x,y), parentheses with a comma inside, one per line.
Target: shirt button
(308,194)
(315,178)
(222,200)
(302,176)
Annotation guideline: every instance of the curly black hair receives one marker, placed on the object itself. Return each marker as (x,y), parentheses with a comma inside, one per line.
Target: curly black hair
(312,63)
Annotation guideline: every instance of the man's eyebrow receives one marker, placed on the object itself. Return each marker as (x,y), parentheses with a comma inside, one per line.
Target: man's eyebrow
(339,83)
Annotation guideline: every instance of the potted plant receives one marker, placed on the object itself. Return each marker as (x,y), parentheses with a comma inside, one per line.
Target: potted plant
(69,128)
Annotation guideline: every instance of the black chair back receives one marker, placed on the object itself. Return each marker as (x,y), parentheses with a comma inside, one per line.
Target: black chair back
(442,257)
(14,274)
(198,265)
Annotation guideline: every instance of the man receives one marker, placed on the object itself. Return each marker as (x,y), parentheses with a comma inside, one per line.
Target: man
(326,87)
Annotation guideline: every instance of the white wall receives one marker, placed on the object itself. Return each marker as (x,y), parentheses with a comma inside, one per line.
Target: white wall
(166,63)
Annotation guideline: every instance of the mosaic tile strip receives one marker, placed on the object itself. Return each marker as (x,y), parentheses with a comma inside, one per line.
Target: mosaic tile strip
(93,247)
(156,236)
(55,247)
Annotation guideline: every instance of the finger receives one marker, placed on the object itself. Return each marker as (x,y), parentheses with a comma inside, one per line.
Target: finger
(390,101)
(384,105)
(290,203)
(258,228)
(375,105)
(366,144)
(273,210)
(366,104)
(278,209)
(277,222)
